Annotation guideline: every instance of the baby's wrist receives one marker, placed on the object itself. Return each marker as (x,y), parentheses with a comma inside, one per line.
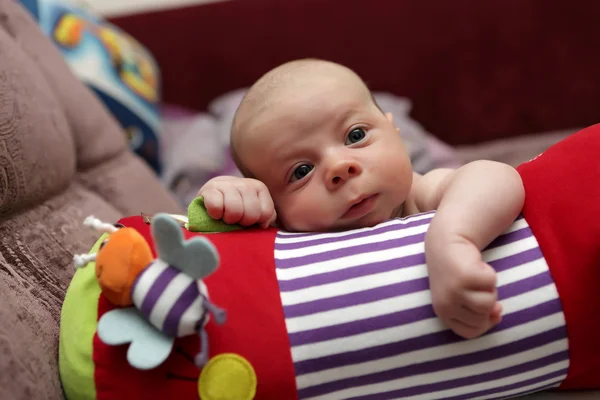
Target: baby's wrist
(440,233)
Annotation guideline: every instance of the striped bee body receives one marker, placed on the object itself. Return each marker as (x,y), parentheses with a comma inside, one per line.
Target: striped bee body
(172,301)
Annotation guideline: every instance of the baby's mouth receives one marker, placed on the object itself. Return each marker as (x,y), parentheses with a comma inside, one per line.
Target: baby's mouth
(361,207)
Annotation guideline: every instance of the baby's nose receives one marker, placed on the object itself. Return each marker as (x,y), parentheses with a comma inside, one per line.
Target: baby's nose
(343,171)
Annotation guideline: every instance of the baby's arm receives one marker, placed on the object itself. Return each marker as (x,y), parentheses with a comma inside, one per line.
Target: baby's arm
(238,200)
(474,204)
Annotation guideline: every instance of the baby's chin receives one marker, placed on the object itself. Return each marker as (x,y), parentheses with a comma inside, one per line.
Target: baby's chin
(334,226)
(371,220)
(365,222)
(361,223)
(338,225)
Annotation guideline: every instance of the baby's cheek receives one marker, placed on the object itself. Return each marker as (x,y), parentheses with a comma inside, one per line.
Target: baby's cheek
(298,218)
(401,176)
(301,216)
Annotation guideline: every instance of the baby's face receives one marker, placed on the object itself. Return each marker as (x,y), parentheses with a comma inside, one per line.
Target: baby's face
(330,158)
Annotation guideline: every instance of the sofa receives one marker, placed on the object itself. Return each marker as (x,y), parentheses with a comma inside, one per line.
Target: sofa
(474,71)
(63,156)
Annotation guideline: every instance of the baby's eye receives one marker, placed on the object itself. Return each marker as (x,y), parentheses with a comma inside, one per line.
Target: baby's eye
(355,136)
(301,172)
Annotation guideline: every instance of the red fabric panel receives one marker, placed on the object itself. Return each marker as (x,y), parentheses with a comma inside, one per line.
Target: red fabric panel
(246,286)
(562,207)
(474,69)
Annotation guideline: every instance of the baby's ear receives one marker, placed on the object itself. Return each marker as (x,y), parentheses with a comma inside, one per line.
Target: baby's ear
(390,118)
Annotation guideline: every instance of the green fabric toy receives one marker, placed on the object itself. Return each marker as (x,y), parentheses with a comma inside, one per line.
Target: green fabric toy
(200,221)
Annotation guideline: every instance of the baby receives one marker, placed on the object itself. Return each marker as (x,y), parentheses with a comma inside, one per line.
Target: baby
(318,154)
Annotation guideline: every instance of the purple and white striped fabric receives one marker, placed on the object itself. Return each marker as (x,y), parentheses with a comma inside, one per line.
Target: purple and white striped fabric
(171,300)
(360,322)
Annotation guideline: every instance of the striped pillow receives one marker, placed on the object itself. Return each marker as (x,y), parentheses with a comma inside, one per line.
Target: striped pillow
(360,322)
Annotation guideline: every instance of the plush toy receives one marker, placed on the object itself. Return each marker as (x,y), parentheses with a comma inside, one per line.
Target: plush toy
(200,221)
(160,299)
(347,315)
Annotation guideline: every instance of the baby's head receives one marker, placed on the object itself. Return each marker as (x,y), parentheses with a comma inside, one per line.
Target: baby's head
(311,132)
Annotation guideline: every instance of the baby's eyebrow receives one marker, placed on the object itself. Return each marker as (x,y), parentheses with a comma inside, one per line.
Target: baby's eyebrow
(335,116)
(286,151)
(278,164)
(283,156)
(341,119)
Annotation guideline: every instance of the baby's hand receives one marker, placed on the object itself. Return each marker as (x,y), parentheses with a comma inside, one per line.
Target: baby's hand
(238,200)
(463,287)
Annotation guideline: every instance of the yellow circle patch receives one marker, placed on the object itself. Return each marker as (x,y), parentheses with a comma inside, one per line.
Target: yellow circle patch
(227,377)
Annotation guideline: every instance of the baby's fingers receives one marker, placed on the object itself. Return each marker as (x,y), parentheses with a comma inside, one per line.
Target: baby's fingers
(472,319)
(481,277)
(252,210)
(214,202)
(467,331)
(479,302)
(268,215)
(233,205)
(496,315)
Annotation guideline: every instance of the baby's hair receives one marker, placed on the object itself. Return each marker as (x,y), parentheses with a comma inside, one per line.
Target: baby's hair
(238,163)
(261,92)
